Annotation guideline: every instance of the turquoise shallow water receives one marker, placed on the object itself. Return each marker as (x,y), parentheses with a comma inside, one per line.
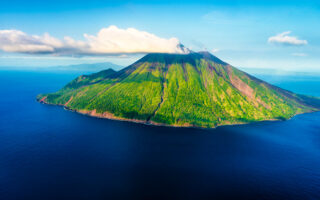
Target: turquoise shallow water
(47,152)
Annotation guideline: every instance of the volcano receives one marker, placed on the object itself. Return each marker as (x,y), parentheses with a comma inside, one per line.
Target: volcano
(188,90)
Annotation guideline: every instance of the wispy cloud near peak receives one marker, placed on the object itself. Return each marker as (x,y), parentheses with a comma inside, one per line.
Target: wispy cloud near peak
(110,40)
(286,39)
(215,50)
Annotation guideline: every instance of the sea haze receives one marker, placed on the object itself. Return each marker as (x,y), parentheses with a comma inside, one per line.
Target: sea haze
(47,152)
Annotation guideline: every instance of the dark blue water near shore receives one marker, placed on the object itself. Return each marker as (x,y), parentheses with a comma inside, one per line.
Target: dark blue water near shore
(50,153)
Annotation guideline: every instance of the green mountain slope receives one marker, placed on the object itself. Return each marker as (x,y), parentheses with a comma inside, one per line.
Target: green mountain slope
(195,89)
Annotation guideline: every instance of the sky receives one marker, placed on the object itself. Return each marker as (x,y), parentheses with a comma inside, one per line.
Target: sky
(280,35)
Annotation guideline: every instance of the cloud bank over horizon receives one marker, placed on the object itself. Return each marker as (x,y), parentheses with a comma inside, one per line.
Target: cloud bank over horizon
(110,40)
(284,38)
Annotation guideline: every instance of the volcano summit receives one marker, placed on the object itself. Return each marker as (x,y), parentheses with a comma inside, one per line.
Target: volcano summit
(195,89)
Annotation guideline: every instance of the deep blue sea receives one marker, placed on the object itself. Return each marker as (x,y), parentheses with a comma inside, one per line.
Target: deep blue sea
(47,152)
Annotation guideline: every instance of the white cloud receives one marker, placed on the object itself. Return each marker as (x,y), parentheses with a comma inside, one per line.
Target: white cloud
(18,41)
(284,38)
(110,40)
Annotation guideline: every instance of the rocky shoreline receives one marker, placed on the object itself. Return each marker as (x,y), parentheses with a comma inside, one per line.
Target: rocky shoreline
(107,115)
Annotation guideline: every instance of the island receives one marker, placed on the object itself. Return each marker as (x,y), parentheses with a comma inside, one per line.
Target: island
(183,90)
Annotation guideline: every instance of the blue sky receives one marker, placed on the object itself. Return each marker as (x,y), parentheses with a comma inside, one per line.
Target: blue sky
(238,32)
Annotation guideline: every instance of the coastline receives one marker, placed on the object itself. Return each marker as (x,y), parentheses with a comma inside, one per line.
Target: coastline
(110,116)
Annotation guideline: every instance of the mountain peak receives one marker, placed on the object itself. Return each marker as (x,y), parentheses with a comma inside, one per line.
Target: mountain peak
(182,49)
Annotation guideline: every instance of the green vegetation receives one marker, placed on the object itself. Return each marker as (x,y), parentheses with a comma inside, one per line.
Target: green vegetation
(196,89)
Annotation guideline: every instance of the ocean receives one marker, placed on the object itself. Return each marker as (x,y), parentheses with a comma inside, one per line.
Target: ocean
(47,152)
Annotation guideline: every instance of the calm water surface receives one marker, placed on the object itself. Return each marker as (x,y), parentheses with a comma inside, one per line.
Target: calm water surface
(50,153)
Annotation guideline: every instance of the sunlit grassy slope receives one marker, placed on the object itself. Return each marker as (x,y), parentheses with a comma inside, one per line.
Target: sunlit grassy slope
(196,89)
